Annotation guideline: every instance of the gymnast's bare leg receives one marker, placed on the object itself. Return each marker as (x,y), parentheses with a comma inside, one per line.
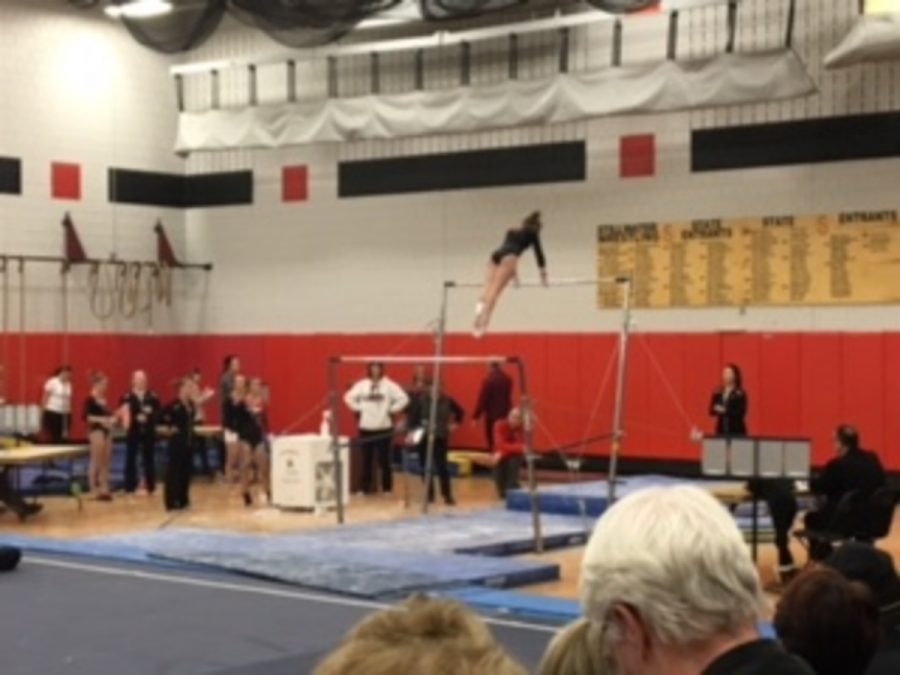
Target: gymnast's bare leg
(498,279)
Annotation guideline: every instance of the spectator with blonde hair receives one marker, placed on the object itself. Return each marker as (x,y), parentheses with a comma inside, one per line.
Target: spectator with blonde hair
(669,581)
(437,637)
(577,650)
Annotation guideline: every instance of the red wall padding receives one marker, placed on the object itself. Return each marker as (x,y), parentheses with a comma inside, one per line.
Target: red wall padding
(799,384)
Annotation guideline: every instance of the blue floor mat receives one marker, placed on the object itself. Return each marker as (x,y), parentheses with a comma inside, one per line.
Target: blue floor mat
(82,548)
(518,605)
(346,567)
(55,480)
(524,606)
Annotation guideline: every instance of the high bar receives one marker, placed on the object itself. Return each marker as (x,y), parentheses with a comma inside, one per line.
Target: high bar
(600,281)
(378,358)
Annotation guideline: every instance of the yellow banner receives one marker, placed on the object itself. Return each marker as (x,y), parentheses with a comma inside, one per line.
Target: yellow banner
(848,258)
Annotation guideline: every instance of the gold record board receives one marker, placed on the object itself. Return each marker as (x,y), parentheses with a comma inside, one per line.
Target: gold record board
(844,259)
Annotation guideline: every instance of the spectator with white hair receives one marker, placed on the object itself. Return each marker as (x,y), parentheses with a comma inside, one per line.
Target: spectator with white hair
(670,582)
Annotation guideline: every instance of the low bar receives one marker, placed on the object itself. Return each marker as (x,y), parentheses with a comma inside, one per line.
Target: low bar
(413,360)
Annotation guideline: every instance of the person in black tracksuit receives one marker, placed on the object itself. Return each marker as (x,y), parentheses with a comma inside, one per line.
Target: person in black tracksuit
(143,413)
(494,401)
(729,406)
(179,415)
(449,416)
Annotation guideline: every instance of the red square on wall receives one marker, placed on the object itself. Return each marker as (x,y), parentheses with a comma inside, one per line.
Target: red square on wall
(66,180)
(295,184)
(637,156)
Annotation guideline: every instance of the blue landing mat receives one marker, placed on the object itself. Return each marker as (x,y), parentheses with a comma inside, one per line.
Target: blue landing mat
(590,498)
(492,532)
(346,567)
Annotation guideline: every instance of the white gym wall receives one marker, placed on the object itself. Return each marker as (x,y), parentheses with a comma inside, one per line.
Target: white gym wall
(376,264)
(76,88)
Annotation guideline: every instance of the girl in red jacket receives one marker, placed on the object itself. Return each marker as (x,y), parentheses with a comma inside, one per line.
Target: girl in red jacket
(509,446)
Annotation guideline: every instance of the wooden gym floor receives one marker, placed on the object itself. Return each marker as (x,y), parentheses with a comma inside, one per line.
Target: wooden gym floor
(219,506)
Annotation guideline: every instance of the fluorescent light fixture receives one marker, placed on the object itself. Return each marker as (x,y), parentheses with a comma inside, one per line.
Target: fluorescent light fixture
(139,9)
(882,6)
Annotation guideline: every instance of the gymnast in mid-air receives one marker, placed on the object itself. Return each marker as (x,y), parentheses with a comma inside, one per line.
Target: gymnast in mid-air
(503,267)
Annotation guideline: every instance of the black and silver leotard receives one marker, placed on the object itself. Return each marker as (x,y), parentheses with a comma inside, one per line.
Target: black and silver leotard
(518,241)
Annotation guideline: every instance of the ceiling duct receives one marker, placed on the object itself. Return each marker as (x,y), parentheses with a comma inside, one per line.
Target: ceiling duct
(306,23)
(442,10)
(188,25)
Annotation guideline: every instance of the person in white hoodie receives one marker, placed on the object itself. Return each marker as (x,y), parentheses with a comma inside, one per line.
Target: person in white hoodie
(375,400)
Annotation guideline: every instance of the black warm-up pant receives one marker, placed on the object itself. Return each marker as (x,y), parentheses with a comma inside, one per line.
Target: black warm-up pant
(506,474)
(178,474)
(489,424)
(56,426)
(779,496)
(376,447)
(440,468)
(821,520)
(201,448)
(8,494)
(783,510)
(145,446)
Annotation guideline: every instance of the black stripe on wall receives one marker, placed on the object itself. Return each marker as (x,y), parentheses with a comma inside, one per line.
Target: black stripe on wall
(146,188)
(10,176)
(219,189)
(833,139)
(533,164)
(150,188)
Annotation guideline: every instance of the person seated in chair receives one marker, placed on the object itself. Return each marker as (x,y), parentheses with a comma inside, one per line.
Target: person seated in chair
(853,470)
(866,564)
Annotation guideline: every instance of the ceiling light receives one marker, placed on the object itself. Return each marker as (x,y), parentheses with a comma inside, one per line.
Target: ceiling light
(139,9)
(882,6)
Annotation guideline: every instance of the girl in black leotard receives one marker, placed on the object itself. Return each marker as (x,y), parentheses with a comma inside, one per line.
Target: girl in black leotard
(503,267)
(253,433)
(232,419)
(100,421)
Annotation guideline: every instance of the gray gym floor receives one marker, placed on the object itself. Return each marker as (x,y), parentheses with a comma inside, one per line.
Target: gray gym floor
(77,617)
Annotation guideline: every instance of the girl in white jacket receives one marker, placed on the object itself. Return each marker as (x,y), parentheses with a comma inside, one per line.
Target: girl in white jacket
(375,400)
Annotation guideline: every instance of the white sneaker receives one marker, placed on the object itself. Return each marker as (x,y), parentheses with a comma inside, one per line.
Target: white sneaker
(478,328)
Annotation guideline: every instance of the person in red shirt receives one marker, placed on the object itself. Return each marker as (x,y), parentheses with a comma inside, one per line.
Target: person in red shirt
(509,446)
(494,400)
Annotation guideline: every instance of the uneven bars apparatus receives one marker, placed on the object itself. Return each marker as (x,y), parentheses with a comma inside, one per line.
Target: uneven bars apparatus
(618,431)
(437,361)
